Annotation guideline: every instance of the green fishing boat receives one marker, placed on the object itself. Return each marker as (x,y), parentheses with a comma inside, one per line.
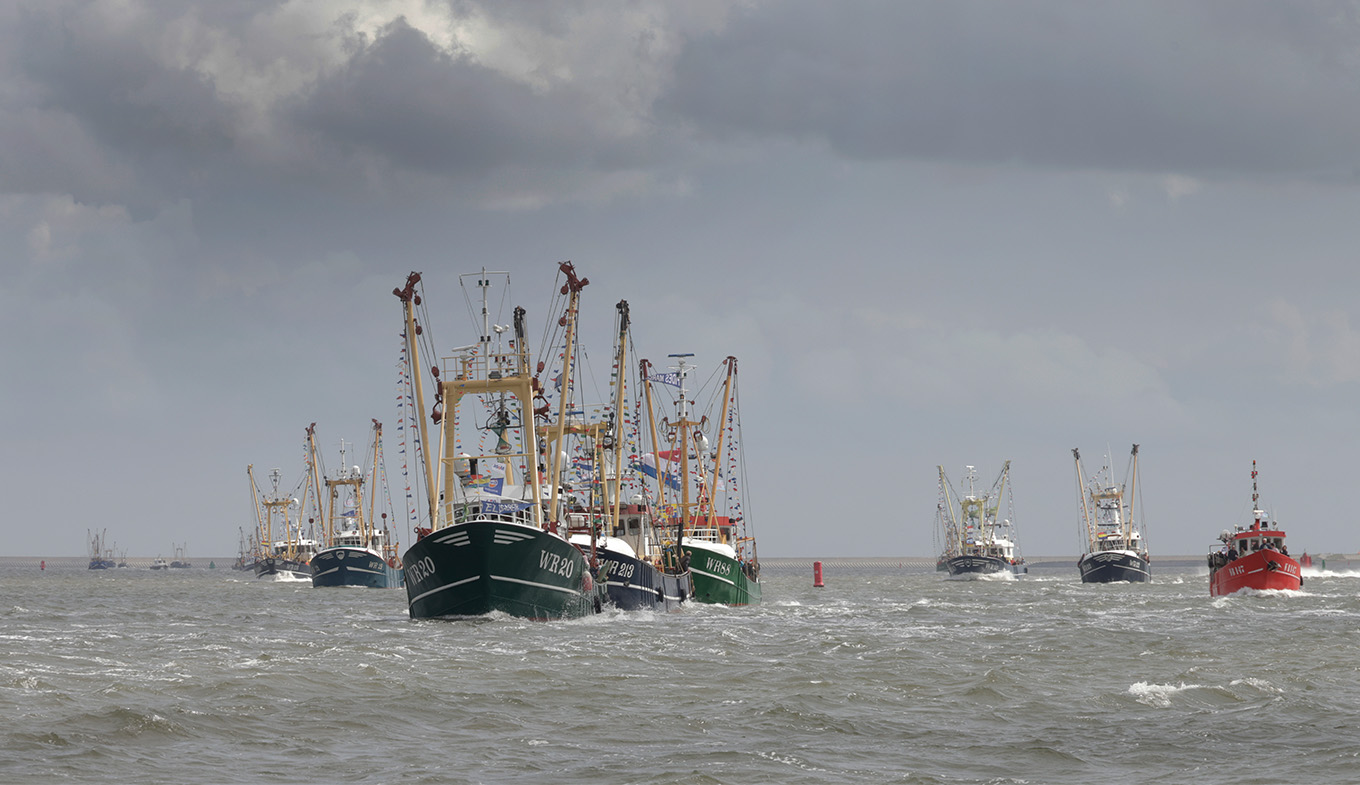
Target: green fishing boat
(700,483)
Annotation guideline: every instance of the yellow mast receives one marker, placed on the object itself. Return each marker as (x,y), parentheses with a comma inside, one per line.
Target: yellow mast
(953,535)
(722,430)
(409,298)
(1082,493)
(270,504)
(1000,486)
(345,478)
(619,392)
(683,430)
(370,522)
(255,499)
(553,434)
(682,426)
(572,288)
(1128,519)
(311,451)
(473,375)
(328,526)
(644,366)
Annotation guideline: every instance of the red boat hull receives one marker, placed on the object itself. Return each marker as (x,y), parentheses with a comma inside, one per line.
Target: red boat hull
(1263,569)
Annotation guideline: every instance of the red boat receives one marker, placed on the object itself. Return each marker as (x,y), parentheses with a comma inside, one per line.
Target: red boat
(1252,557)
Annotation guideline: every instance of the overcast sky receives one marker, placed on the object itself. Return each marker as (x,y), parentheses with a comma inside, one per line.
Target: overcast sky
(934,233)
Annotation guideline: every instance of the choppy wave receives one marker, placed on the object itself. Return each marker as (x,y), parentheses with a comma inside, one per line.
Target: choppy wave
(1315,572)
(1159,695)
(886,676)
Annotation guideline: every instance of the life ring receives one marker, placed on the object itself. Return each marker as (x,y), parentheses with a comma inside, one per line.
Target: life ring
(393,562)
(588,581)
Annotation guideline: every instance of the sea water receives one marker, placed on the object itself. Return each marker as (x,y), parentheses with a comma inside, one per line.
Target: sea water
(883,676)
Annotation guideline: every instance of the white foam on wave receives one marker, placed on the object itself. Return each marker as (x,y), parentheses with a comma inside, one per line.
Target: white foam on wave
(1158,695)
(1312,572)
(1260,684)
(612,614)
(977,576)
(288,577)
(1271,593)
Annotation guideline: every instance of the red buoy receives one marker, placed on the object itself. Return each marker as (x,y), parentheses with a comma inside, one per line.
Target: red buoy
(817,575)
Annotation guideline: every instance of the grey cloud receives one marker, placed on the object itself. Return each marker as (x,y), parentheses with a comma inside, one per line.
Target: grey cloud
(167,122)
(398,114)
(1204,88)
(404,100)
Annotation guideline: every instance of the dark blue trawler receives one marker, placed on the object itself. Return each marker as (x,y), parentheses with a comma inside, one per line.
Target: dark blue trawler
(356,551)
(346,565)
(659,580)
(1115,550)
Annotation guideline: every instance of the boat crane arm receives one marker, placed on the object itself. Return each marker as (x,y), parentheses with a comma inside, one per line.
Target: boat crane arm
(1132,482)
(1082,494)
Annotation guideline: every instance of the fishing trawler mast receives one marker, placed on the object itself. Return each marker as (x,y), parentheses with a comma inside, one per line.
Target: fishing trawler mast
(713,552)
(290,556)
(1114,549)
(355,552)
(491,550)
(1254,556)
(975,542)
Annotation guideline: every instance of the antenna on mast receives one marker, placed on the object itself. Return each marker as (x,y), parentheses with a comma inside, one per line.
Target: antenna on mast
(1254,495)
(683,371)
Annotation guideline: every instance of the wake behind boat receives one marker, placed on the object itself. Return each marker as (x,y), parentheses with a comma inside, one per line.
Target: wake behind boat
(1113,542)
(1252,556)
(497,539)
(974,542)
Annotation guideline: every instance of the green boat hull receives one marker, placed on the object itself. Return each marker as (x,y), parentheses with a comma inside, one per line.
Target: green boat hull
(721,579)
(480,566)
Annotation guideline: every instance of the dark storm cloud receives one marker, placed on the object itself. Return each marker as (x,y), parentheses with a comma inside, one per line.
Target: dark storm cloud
(116,103)
(406,101)
(1203,88)
(159,105)
(127,112)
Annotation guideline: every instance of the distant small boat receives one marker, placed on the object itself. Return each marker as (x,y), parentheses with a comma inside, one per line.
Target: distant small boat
(101,557)
(976,541)
(159,564)
(180,561)
(1252,556)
